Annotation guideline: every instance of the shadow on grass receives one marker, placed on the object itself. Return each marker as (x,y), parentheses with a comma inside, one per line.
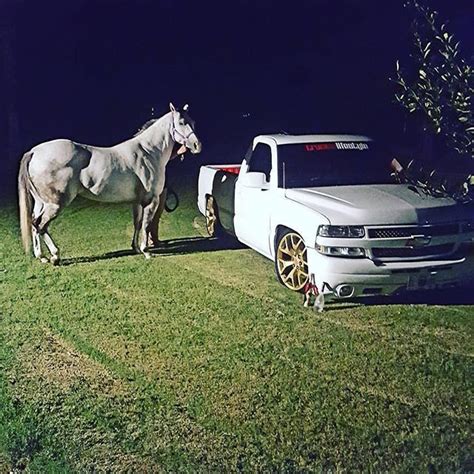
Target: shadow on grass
(440,297)
(457,296)
(189,245)
(180,246)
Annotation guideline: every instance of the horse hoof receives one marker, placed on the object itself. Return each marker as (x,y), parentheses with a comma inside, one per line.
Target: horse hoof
(44,260)
(55,260)
(154,243)
(147,255)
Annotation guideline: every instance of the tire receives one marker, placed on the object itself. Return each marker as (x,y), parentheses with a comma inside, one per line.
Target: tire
(213,226)
(291,263)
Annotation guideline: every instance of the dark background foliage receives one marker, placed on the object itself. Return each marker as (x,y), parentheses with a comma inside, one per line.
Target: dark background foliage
(439,83)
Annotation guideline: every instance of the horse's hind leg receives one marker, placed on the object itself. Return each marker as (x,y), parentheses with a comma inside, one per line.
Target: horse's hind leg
(37,250)
(52,248)
(50,211)
(38,253)
(137,225)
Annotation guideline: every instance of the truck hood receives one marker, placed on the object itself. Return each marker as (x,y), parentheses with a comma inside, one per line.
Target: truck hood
(384,204)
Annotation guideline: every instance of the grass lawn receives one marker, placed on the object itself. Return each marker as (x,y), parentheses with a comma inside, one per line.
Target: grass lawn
(198,360)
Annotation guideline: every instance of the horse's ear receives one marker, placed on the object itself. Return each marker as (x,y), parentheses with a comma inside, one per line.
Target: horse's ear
(172,108)
(186,107)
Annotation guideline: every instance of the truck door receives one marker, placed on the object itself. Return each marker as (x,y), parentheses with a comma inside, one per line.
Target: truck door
(253,199)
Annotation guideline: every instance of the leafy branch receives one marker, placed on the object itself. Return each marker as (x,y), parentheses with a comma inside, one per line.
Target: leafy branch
(441,85)
(438,85)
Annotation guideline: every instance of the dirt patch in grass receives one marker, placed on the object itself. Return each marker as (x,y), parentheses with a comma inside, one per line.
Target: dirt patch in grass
(104,458)
(4,464)
(54,362)
(73,402)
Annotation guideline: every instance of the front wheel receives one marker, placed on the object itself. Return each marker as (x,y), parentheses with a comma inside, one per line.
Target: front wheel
(291,262)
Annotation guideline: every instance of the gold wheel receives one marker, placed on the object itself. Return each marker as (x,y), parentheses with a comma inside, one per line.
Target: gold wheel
(211,217)
(291,261)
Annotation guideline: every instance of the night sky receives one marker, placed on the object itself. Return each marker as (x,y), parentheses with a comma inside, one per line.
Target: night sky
(92,70)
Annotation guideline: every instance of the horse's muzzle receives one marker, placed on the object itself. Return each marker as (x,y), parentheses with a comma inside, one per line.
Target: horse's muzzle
(195,147)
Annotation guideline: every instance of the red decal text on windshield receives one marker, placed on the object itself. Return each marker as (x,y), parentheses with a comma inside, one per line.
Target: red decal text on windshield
(320,146)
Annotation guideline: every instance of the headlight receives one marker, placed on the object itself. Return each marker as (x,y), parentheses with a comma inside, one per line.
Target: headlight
(355,252)
(341,231)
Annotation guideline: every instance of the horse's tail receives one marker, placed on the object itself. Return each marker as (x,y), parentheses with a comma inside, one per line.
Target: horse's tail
(25,201)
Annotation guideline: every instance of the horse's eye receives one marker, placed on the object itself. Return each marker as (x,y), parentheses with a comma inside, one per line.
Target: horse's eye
(181,121)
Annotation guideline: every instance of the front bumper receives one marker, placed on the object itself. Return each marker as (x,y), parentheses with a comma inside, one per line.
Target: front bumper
(367,277)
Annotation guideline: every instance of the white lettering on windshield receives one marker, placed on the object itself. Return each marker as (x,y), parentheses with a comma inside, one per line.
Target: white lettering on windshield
(352,146)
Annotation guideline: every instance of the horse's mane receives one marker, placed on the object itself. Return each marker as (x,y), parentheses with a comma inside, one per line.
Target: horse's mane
(146,125)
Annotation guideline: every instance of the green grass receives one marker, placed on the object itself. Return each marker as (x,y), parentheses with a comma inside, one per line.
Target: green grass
(199,360)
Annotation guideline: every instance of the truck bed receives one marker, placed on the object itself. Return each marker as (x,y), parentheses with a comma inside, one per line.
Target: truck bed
(232,169)
(219,181)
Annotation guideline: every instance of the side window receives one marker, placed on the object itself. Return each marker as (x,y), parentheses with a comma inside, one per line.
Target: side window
(261,160)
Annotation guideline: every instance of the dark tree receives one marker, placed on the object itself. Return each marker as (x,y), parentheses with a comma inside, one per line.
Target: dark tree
(436,85)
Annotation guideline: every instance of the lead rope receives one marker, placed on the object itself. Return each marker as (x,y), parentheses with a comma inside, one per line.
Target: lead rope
(175,200)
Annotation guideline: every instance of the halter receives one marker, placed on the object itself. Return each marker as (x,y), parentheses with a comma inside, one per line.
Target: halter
(174,131)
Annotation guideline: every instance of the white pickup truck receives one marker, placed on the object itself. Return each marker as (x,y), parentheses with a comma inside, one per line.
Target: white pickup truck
(327,205)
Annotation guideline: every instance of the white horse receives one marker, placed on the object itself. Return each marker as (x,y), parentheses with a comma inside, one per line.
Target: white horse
(52,174)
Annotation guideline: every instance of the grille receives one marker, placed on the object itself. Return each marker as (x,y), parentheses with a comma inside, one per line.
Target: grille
(400,232)
(468,227)
(406,252)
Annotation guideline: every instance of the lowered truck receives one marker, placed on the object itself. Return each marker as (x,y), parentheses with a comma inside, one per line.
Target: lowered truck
(327,206)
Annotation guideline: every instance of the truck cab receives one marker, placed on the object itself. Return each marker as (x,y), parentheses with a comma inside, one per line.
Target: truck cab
(257,183)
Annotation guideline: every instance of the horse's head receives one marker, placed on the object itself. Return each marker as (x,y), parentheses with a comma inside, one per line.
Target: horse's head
(183,130)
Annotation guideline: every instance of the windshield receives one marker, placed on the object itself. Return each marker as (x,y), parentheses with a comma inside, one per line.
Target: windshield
(304,165)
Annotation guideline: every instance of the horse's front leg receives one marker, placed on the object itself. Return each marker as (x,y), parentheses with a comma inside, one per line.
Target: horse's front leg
(137,225)
(148,215)
(153,236)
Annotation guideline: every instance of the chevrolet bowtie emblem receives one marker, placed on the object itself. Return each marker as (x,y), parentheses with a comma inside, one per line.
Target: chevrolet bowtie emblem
(417,241)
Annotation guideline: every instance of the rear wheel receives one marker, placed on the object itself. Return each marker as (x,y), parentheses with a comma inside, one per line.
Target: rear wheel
(291,262)
(212,219)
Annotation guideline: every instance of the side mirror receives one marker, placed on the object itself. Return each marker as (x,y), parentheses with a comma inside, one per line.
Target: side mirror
(254,179)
